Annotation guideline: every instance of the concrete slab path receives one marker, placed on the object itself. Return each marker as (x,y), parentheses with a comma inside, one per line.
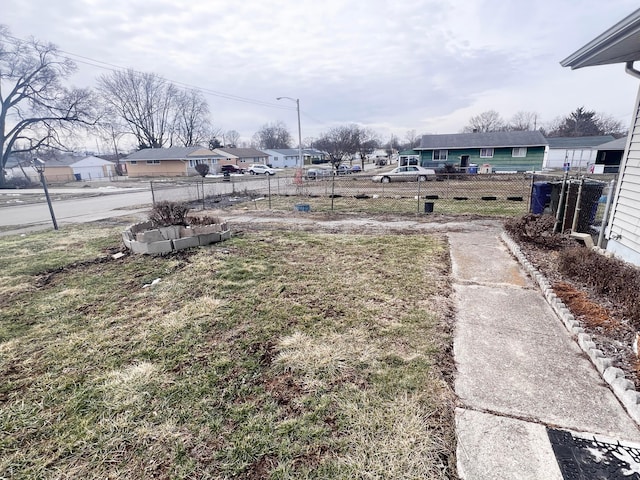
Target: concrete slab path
(519,371)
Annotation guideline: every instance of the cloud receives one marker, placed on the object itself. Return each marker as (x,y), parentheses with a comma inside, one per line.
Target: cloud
(394,64)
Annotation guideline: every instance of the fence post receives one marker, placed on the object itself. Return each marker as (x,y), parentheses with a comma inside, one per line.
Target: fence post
(153,196)
(561,202)
(333,188)
(524,192)
(419,182)
(576,212)
(269,190)
(202,193)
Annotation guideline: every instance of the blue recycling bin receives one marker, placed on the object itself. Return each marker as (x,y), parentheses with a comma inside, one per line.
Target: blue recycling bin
(472,169)
(540,196)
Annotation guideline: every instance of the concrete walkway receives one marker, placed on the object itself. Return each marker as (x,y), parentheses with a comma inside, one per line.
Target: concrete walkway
(519,371)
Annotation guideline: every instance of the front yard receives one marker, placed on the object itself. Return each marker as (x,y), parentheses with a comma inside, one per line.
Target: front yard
(273,355)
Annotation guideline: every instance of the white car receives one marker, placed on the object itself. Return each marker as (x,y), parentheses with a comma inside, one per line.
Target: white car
(259,168)
(406,174)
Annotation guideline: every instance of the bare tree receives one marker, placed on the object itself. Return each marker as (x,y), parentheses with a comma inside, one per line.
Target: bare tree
(191,125)
(523,121)
(339,142)
(412,138)
(231,138)
(145,101)
(366,141)
(273,135)
(489,121)
(36,110)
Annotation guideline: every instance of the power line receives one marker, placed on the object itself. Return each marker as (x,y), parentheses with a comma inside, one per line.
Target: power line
(117,68)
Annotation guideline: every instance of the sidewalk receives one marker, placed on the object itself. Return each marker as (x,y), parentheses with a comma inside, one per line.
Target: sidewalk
(522,380)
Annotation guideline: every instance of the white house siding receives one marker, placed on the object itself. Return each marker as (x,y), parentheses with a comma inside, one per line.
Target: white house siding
(624,226)
(578,158)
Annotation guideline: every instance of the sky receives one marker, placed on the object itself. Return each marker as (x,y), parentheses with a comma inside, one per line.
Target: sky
(390,65)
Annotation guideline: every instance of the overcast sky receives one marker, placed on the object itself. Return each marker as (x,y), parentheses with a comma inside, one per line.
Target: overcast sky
(392,65)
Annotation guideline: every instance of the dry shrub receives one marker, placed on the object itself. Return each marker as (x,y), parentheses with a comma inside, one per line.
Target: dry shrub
(611,277)
(536,229)
(164,214)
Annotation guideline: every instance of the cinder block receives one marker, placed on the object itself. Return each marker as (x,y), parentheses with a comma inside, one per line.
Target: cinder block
(209,238)
(164,246)
(185,242)
(226,235)
(139,247)
(171,232)
(149,236)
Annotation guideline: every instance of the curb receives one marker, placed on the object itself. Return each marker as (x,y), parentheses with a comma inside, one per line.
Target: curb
(622,388)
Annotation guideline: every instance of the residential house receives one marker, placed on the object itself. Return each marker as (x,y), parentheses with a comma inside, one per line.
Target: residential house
(289,157)
(242,157)
(170,162)
(619,44)
(575,153)
(609,156)
(498,151)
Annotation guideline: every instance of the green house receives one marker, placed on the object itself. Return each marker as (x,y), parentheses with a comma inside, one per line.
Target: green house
(492,151)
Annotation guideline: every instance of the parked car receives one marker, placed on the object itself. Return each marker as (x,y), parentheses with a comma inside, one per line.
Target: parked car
(356,169)
(406,174)
(343,169)
(315,173)
(260,169)
(230,169)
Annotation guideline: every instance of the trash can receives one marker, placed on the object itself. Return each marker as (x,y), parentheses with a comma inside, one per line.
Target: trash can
(472,169)
(78,176)
(428,207)
(226,176)
(540,197)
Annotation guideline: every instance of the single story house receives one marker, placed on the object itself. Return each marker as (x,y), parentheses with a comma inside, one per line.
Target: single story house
(242,157)
(620,44)
(93,168)
(170,162)
(497,151)
(576,152)
(289,157)
(609,156)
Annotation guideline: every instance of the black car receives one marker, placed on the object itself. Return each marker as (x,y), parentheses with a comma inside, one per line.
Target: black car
(231,169)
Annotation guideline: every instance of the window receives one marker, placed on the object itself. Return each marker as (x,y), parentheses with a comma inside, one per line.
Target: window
(440,155)
(486,153)
(519,152)
(133,162)
(153,162)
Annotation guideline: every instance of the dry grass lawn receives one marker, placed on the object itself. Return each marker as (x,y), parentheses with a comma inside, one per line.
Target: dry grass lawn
(273,355)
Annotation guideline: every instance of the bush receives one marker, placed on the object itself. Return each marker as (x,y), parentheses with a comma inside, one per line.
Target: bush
(164,214)
(202,169)
(536,229)
(617,280)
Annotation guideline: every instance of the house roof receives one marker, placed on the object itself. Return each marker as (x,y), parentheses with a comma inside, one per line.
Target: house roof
(482,140)
(578,142)
(618,144)
(619,44)
(91,161)
(171,153)
(243,152)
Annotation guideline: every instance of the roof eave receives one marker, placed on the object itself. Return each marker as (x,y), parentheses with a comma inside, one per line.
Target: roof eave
(601,51)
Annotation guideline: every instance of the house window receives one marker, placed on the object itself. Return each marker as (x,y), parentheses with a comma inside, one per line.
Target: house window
(153,162)
(486,153)
(440,155)
(519,152)
(133,162)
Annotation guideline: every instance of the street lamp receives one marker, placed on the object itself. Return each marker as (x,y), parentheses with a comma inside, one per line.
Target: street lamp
(39,165)
(297,100)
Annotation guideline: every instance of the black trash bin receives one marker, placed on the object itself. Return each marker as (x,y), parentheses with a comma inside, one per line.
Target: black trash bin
(540,197)
(226,176)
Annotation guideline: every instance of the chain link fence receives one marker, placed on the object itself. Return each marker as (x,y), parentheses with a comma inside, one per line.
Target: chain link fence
(497,194)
